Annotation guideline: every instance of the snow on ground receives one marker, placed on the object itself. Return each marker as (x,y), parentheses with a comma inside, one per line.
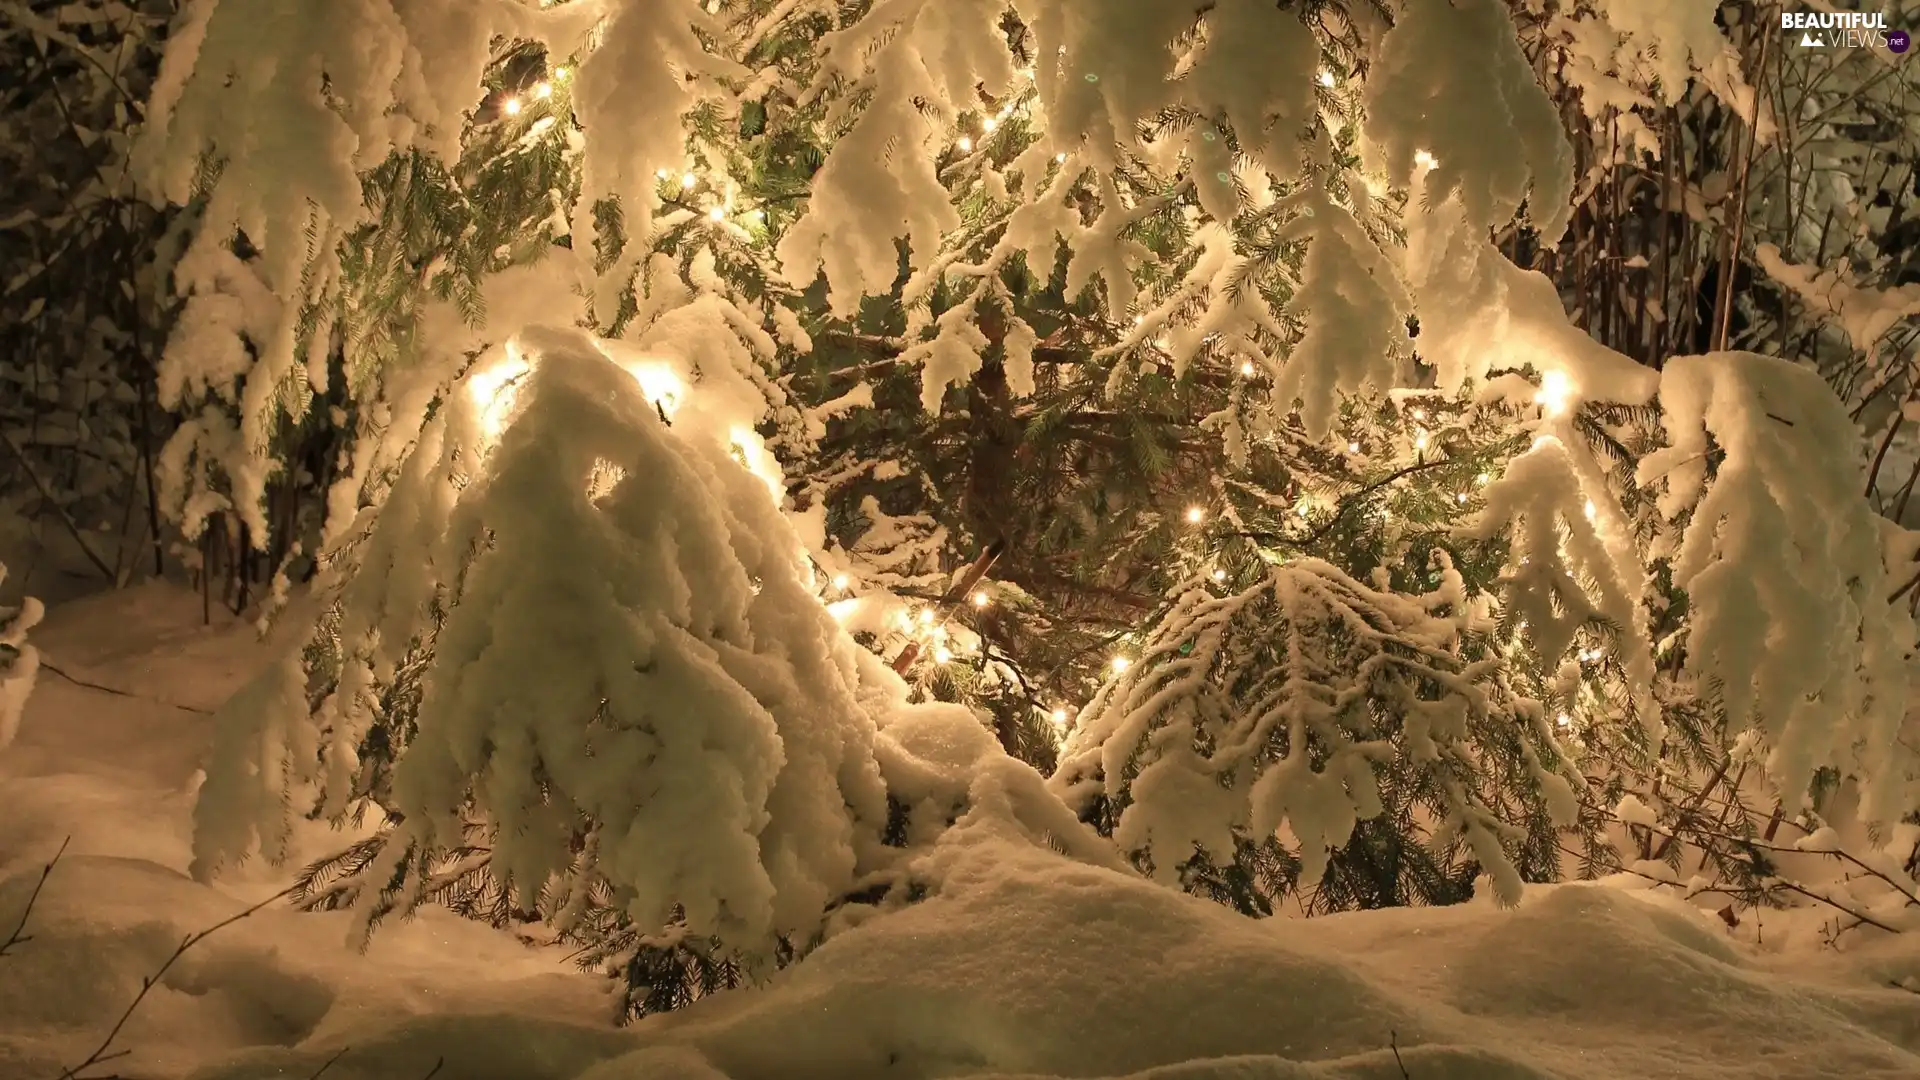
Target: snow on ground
(1028,966)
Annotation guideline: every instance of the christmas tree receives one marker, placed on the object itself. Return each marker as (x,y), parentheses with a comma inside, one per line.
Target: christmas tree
(768,436)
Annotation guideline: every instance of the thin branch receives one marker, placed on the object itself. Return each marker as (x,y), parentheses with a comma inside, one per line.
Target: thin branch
(101,1053)
(44,666)
(328,1064)
(19,936)
(46,496)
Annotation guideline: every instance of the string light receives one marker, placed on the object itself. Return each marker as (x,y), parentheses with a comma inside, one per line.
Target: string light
(1420,441)
(926,616)
(1246,367)
(1590,510)
(513,106)
(1194,514)
(543,90)
(1418,414)
(840,582)
(1462,497)
(1425,160)
(965,144)
(718,213)
(1219,575)
(559,73)
(1564,720)
(663,173)
(989,124)
(1483,479)
(1326,77)
(1353,448)
(942,654)
(687,180)
(1060,717)
(1060,158)
(1120,664)
(1556,393)
(980,599)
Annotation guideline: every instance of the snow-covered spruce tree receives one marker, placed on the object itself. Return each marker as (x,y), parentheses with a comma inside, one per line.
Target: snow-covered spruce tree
(1151,357)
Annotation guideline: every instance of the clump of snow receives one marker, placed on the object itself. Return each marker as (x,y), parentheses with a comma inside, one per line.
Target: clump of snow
(1455,98)
(19,661)
(1864,314)
(1812,659)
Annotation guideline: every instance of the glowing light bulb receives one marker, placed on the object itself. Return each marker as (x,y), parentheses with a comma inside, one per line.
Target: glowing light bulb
(1420,441)
(718,213)
(543,90)
(980,599)
(1483,479)
(1590,510)
(1418,414)
(1564,720)
(989,124)
(942,654)
(1425,160)
(965,144)
(1353,448)
(687,180)
(663,173)
(1326,77)
(512,106)
(1120,664)
(926,616)
(1556,393)
(1461,498)
(1194,514)
(840,581)
(1060,158)
(906,622)
(1246,367)
(1219,575)
(1060,716)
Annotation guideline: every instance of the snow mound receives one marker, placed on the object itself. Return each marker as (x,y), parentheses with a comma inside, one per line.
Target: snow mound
(1023,964)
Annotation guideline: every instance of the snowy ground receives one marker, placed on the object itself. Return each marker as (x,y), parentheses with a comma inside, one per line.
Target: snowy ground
(1029,966)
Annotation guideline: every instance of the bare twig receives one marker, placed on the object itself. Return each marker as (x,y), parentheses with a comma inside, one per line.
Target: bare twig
(328,1064)
(44,666)
(1393,1043)
(102,1053)
(19,936)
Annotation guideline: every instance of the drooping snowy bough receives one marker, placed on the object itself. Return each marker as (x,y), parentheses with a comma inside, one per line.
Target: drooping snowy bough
(631,681)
